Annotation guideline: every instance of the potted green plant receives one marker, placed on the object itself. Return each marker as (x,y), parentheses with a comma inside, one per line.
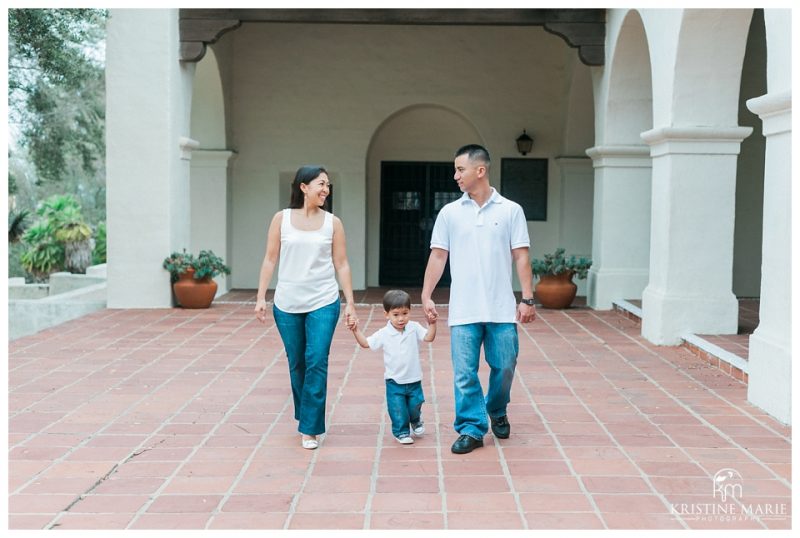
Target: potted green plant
(192,277)
(555,288)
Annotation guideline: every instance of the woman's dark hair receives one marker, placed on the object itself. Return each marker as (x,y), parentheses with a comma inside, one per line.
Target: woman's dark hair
(306,174)
(396,299)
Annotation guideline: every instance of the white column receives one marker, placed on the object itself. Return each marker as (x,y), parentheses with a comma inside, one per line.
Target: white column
(577,187)
(210,201)
(691,236)
(621,230)
(148,94)
(770,360)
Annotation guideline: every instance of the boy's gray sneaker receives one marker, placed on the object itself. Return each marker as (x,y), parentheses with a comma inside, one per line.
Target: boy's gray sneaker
(404,439)
(418,428)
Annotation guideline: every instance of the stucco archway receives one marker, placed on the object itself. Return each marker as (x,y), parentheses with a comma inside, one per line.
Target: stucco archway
(694,146)
(209,182)
(422,132)
(621,229)
(708,67)
(748,236)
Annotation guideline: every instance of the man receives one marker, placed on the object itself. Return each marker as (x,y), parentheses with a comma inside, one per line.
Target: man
(483,234)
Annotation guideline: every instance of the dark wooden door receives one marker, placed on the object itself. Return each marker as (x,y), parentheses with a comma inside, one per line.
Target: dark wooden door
(412,193)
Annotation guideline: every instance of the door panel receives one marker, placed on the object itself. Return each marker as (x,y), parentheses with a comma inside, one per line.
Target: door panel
(412,193)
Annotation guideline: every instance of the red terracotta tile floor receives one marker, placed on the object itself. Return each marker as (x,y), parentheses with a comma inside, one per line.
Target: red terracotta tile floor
(182,419)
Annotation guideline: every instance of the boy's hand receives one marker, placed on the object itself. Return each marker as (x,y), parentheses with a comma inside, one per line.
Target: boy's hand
(429,308)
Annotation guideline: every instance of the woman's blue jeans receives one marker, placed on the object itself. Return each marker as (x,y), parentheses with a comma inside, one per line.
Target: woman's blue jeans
(307,338)
(404,404)
(501,347)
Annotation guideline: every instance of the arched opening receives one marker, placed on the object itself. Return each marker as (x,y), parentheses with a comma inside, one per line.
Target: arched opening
(209,185)
(208,104)
(695,145)
(750,175)
(630,92)
(622,190)
(424,133)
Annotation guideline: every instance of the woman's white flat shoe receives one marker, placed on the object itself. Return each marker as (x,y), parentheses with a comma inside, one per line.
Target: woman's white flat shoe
(310,444)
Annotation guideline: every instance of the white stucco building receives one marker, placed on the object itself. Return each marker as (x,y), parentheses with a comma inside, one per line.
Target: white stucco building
(665,136)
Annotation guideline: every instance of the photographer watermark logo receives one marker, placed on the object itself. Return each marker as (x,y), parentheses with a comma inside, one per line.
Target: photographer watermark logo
(728,485)
(728,503)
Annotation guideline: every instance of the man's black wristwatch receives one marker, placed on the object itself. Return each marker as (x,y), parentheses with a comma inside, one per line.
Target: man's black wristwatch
(528,302)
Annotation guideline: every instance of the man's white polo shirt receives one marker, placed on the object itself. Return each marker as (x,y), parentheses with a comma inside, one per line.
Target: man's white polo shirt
(479,241)
(400,351)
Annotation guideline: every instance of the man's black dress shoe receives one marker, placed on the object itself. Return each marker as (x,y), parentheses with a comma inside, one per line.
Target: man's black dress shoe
(500,427)
(466,444)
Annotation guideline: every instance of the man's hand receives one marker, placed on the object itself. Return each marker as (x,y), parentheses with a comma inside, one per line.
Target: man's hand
(430,311)
(526,313)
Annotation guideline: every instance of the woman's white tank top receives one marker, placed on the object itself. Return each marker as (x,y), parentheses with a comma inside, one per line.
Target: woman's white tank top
(306,277)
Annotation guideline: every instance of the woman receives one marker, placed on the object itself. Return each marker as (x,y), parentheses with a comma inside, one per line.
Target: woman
(310,244)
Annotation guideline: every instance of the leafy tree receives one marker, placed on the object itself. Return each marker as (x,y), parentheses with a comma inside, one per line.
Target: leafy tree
(56,90)
(56,98)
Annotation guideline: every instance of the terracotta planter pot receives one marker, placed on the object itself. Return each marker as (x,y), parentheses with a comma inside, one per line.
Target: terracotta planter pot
(556,291)
(193,293)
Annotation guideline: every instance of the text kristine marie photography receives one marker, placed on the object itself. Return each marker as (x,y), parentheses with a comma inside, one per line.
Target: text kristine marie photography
(728,503)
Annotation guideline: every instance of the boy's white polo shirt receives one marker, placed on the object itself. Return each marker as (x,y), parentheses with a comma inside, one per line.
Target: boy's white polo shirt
(400,351)
(479,241)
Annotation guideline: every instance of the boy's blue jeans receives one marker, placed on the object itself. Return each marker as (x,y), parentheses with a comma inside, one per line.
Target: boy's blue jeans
(307,338)
(404,403)
(501,347)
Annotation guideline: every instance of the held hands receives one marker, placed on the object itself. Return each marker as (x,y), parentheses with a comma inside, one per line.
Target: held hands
(430,310)
(350,318)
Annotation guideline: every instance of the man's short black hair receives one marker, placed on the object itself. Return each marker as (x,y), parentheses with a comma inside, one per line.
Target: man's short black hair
(475,152)
(396,299)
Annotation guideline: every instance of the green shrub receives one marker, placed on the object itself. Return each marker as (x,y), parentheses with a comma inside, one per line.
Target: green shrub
(99,253)
(205,265)
(60,239)
(557,263)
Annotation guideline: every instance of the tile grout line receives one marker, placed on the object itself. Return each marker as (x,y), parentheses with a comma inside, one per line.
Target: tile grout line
(249,460)
(696,415)
(61,335)
(85,441)
(137,450)
(438,446)
(554,437)
(643,415)
(153,496)
(23,351)
(510,482)
(693,413)
(373,480)
(63,387)
(645,477)
(313,462)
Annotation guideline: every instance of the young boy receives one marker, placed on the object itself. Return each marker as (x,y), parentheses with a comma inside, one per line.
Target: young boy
(402,371)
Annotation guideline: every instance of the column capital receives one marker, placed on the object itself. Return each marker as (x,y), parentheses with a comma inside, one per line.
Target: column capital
(775,111)
(620,156)
(187,145)
(212,158)
(695,140)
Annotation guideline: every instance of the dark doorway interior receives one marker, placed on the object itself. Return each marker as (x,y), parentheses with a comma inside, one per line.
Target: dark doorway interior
(412,193)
